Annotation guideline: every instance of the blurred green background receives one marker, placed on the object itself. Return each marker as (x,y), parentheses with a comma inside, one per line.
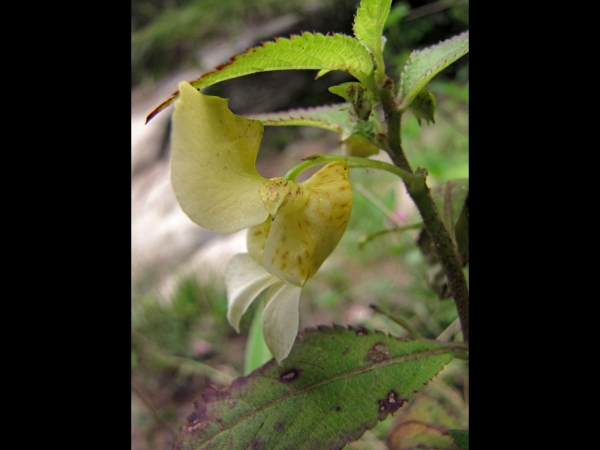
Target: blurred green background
(181,342)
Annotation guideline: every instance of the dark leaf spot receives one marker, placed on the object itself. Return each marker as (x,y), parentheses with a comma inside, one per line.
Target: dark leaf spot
(390,404)
(193,419)
(379,352)
(289,375)
(361,331)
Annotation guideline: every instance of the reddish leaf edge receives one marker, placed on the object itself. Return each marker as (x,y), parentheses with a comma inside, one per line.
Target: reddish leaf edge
(300,110)
(175,94)
(194,420)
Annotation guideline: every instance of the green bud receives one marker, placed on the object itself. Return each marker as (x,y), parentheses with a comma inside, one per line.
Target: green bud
(423,106)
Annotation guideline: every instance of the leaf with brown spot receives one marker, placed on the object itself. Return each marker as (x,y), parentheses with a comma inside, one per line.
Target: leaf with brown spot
(424,423)
(325,394)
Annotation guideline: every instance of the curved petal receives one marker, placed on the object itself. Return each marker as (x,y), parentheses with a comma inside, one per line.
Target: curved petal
(213,153)
(300,241)
(280,319)
(282,197)
(244,280)
(256,240)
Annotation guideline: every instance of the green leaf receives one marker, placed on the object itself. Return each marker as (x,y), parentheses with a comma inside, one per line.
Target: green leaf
(360,98)
(257,352)
(423,65)
(357,138)
(368,28)
(335,384)
(331,117)
(310,51)
(461,437)
(425,424)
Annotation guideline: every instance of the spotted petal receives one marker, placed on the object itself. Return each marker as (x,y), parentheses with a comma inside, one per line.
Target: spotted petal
(244,280)
(212,163)
(280,319)
(301,240)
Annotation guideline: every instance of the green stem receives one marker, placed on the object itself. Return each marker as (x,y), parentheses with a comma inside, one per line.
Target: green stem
(419,191)
(365,240)
(392,118)
(399,320)
(444,247)
(460,347)
(353,161)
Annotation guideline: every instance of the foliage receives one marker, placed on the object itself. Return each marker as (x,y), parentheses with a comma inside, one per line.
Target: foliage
(359,373)
(165,33)
(361,378)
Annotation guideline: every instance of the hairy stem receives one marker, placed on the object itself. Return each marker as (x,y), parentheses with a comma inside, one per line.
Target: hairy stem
(399,320)
(421,195)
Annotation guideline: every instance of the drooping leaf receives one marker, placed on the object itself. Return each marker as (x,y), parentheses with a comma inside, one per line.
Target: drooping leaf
(309,51)
(425,424)
(423,65)
(368,27)
(335,384)
(461,437)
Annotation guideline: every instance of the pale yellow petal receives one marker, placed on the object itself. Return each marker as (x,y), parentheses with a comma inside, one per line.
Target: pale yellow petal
(299,242)
(213,153)
(245,279)
(280,319)
(281,197)
(256,240)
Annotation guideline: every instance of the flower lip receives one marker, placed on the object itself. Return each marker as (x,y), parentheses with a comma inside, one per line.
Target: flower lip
(300,239)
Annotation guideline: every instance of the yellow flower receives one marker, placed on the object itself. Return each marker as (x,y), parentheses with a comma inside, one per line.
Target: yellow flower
(294,226)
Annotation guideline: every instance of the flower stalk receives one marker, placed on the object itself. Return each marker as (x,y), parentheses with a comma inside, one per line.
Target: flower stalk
(352,161)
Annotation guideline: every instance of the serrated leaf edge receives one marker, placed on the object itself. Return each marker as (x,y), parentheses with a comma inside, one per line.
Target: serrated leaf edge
(213,394)
(406,101)
(232,59)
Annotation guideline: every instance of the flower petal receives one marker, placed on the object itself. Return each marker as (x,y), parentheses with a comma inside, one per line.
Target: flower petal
(280,319)
(244,280)
(280,196)
(300,241)
(213,153)
(256,240)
